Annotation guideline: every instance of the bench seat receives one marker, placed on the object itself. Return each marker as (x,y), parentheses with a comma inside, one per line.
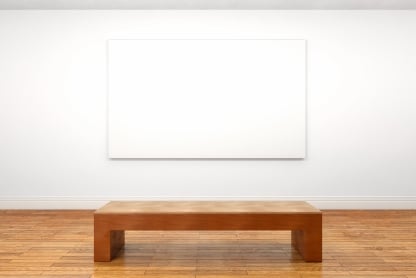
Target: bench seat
(304,220)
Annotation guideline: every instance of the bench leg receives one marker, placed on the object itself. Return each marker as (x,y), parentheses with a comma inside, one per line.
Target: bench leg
(308,243)
(107,244)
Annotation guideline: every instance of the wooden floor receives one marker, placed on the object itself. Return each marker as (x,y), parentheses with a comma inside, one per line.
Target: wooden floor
(60,244)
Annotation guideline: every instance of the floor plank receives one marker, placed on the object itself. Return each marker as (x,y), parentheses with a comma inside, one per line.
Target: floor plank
(60,244)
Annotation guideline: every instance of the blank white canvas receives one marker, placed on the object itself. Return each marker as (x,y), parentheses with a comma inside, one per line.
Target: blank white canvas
(206,98)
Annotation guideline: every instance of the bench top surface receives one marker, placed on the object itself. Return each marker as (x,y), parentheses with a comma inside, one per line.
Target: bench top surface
(157,207)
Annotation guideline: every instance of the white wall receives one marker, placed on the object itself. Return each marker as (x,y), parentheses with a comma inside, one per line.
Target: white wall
(361,116)
(208,4)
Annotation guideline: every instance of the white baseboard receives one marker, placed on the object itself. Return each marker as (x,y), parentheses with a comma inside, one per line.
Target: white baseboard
(322,202)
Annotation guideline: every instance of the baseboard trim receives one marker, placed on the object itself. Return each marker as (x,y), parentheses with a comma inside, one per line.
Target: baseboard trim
(322,202)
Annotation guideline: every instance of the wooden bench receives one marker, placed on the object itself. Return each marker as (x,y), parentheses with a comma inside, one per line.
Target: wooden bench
(113,219)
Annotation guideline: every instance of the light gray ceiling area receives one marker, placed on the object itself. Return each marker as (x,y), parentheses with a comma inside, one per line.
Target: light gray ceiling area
(211,4)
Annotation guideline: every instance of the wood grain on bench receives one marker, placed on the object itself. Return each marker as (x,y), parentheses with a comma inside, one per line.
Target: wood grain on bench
(113,219)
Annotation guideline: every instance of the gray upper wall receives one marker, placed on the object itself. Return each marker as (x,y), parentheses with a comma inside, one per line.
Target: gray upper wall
(211,4)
